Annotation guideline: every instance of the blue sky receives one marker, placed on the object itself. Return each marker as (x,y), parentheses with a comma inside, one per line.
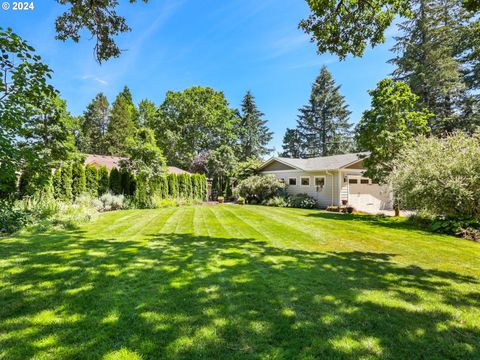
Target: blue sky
(230,45)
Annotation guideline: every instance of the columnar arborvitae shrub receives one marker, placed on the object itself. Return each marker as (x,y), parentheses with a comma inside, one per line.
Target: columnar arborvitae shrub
(143,195)
(91,178)
(78,179)
(66,182)
(115,181)
(164,182)
(125,179)
(203,186)
(194,179)
(181,185)
(173,185)
(57,183)
(103,180)
(189,185)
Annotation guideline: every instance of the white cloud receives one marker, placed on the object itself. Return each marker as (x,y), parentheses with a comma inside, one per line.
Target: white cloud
(95,78)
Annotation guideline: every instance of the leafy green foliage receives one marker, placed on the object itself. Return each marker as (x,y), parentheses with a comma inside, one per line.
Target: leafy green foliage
(247,168)
(345,28)
(277,201)
(222,163)
(147,112)
(98,18)
(193,121)
(253,133)
(115,181)
(441,176)
(389,126)
(259,188)
(103,180)
(8,180)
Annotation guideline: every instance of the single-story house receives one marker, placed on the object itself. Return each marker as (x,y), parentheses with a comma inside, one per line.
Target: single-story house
(331,180)
(114,161)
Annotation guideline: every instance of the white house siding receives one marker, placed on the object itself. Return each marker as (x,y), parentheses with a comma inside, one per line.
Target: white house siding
(328,195)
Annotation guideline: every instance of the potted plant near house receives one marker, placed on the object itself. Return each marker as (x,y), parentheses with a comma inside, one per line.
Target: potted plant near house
(241,201)
(221,199)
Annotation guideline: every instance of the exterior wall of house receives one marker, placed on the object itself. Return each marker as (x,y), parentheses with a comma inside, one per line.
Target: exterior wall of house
(325,196)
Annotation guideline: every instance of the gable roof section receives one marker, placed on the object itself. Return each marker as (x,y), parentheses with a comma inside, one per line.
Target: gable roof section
(333,162)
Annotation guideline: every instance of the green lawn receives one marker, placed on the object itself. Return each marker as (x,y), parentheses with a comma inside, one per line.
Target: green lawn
(239,282)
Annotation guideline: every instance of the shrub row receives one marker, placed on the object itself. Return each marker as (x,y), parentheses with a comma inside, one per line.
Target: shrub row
(69,181)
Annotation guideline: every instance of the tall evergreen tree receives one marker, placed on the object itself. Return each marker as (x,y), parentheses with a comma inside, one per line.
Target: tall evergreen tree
(94,126)
(427,61)
(323,122)
(147,111)
(122,123)
(293,146)
(254,134)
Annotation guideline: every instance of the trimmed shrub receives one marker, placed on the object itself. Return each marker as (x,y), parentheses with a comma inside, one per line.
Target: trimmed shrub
(115,181)
(66,182)
(103,180)
(78,180)
(110,202)
(91,179)
(276,201)
(143,196)
(57,183)
(302,201)
(259,188)
(125,181)
(164,187)
(173,185)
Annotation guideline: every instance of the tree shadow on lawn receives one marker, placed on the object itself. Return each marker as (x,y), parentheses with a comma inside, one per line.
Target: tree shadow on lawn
(377,220)
(187,296)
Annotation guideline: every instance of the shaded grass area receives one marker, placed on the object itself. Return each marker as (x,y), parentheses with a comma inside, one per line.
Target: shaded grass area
(239,282)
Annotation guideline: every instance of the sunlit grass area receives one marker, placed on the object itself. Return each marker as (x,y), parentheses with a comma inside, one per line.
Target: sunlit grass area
(239,282)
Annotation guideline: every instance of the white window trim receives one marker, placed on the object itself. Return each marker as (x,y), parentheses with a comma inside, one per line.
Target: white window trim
(320,177)
(305,177)
(296,182)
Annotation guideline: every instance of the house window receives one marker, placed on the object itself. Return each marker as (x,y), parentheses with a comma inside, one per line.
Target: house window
(305,181)
(363,181)
(352,181)
(292,181)
(320,181)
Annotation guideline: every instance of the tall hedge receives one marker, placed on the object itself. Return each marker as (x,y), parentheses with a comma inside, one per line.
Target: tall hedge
(125,181)
(173,185)
(103,180)
(91,179)
(143,195)
(78,179)
(165,190)
(66,182)
(115,181)
(57,183)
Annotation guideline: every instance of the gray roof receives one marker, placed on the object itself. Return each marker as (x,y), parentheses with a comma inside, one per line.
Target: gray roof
(333,162)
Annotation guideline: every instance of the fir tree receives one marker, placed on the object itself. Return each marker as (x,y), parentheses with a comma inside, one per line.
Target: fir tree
(426,61)
(293,146)
(94,125)
(254,134)
(323,122)
(122,123)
